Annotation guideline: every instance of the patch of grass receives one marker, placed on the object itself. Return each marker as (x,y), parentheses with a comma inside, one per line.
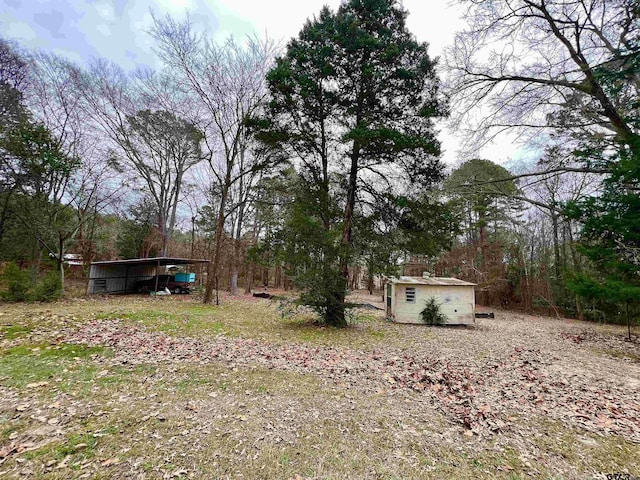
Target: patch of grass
(190,321)
(621,354)
(248,319)
(75,351)
(586,451)
(79,446)
(11,332)
(304,330)
(241,317)
(140,316)
(53,351)
(483,354)
(467,460)
(5,433)
(213,430)
(191,379)
(65,365)
(360,317)
(379,334)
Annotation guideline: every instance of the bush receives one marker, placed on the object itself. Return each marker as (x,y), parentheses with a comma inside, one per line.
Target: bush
(18,287)
(48,289)
(431,314)
(16,283)
(290,308)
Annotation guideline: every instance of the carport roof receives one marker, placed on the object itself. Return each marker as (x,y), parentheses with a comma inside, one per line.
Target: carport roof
(153,261)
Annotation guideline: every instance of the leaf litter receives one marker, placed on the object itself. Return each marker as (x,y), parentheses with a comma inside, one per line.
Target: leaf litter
(480,394)
(497,382)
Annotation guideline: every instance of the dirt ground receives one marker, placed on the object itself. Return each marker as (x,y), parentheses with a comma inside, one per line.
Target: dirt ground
(143,387)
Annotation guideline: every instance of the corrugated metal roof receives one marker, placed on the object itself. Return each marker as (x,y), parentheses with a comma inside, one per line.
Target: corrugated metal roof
(442,281)
(152,261)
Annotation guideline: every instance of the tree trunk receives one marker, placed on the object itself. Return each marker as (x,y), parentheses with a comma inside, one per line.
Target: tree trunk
(335,311)
(335,314)
(628,321)
(370,285)
(563,248)
(5,212)
(193,235)
(481,230)
(352,280)
(527,296)
(277,275)
(235,262)
(235,265)
(251,270)
(162,226)
(234,279)
(556,245)
(214,266)
(577,268)
(61,260)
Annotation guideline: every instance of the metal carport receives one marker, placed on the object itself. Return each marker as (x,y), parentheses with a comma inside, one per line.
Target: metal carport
(122,276)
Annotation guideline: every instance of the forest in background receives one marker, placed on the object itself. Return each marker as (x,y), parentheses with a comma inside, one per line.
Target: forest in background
(317,166)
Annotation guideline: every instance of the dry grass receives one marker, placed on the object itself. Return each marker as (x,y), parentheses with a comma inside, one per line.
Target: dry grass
(75,411)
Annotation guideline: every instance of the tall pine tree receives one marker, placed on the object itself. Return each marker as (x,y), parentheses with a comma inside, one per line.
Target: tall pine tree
(353,100)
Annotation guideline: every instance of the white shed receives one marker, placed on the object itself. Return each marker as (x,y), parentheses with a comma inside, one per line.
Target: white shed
(406,298)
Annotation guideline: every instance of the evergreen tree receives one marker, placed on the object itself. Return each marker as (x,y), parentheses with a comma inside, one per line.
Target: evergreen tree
(610,238)
(484,190)
(428,225)
(137,237)
(353,99)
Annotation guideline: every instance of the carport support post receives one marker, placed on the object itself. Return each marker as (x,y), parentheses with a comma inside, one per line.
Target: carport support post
(126,278)
(157,268)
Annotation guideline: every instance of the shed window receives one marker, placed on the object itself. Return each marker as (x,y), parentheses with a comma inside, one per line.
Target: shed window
(410,294)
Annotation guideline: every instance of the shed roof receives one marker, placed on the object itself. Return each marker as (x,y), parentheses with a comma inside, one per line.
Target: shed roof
(442,281)
(152,261)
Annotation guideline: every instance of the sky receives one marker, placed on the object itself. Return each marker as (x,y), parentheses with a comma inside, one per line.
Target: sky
(117,30)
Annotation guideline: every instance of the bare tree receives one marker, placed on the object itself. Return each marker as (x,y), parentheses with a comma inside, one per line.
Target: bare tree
(90,194)
(241,195)
(540,65)
(52,96)
(55,101)
(158,145)
(228,82)
(62,175)
(162,148)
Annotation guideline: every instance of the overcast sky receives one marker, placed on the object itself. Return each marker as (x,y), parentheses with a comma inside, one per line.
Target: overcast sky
(116,29)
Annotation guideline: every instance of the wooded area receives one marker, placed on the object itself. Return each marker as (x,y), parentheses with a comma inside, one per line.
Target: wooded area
(317,166)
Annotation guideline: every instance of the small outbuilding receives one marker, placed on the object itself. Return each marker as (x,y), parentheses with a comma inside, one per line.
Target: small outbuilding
(406,298)
(123,276)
